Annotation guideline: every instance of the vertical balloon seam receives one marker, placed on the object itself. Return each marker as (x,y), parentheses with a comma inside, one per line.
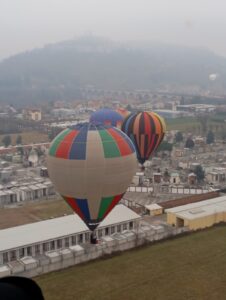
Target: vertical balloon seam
(62,151)
(104,171)
(114,202)
(72,203)
(122,145)
(105,202)
(57,141)
(78,148)
(83,205)
(70,149)
(110,148)
(104,207)
(124,136)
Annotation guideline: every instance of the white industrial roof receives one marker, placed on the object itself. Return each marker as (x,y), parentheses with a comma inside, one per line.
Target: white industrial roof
(202,212)
(119,214)
(153,206)
(200,209)
(40,231)
(33,233)
(196,204)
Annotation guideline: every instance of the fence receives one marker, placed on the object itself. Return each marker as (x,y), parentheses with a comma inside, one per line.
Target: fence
(168,190)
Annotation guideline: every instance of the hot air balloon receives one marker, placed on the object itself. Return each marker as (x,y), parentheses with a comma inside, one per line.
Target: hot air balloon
(91,166)
(123,112)
(146,130)
(213,77)
(107,116)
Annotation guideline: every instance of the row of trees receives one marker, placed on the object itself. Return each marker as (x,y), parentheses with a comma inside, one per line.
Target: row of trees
(189,143)
(7,140)
(210,138)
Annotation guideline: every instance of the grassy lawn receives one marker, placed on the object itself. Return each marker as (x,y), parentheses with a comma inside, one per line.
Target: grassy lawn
(27,137)
(32,212)
(193,125)
(182,124)
(191,267)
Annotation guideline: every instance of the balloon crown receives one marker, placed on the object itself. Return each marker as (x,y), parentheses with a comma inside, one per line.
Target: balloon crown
(89,126)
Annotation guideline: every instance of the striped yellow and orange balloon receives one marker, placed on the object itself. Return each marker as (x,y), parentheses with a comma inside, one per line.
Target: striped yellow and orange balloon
(146,130)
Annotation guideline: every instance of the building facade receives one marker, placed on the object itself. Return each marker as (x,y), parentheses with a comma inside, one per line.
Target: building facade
(55,234)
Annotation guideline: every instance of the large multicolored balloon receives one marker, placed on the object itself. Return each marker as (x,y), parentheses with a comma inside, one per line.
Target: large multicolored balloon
(146,130)
(107,116)
(91,167)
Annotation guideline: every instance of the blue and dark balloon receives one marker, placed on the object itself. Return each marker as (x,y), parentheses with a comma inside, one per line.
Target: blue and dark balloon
(107,116)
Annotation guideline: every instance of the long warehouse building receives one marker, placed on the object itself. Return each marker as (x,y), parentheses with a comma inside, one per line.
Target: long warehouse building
(37,238)
(198,215)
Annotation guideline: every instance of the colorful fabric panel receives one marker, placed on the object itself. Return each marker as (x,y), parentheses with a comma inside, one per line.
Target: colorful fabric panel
(80,206)
(72,143)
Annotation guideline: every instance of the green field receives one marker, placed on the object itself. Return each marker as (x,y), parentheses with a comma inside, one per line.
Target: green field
(33,212)
(193,125)
(27,137)
(190,267)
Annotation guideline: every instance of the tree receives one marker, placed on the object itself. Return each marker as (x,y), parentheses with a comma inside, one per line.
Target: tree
(210,137)
(166,175)
(165,146)
(189,143)
(129,107)
(179,137)
(54,131)
(6,140)
(199,172)
(203,121)
(223,135)
(20,150)
(19,140)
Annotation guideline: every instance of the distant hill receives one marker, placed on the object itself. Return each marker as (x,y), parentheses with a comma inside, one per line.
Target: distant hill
(57,71)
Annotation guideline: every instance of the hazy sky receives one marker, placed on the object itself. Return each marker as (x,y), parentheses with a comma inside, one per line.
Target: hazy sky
(25,24)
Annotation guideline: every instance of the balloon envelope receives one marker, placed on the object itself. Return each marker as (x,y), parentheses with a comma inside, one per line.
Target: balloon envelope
(107,116)
(123,112)
(91,167)
(146,130)
(213,77)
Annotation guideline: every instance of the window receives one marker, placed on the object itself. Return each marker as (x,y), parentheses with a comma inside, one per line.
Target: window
(124,226)
(29,252)
(5,257)
(21,252)
(130,225)
(46,247)
(59,244)
(100,233)
(80,238)
(37,249)
(66,242)
(73,240)
(112,229)
(52,245)
(106,231)
(118,228)
(12,255)
(87,238)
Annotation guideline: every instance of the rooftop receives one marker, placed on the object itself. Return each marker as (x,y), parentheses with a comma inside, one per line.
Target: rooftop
(153,206)
(29,234)
(200,209)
